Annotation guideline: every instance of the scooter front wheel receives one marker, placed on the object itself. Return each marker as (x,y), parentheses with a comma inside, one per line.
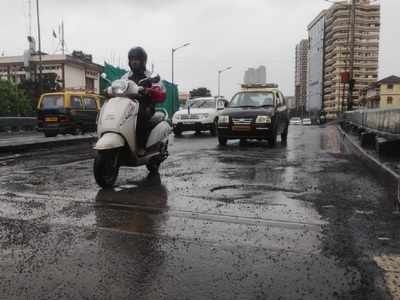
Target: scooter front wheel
(106,168)
(153,167)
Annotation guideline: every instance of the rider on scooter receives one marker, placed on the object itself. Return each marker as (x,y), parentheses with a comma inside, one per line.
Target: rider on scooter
(151,95)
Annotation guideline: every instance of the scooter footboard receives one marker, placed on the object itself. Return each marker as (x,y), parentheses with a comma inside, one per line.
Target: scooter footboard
(109,140)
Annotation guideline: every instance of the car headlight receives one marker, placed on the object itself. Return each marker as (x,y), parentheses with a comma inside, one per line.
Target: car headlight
(223,119)
(263,120)
(119,87)
(204,116)
(177,117)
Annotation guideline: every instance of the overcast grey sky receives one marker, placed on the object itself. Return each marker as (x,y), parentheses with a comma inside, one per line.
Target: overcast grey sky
(237,33)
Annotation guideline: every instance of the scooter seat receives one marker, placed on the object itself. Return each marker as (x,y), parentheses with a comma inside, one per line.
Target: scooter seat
(156,119)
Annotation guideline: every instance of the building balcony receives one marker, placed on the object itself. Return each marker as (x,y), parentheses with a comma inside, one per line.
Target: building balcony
(336,44)
(332,18)
(367,50)
(371,12)
(367,28)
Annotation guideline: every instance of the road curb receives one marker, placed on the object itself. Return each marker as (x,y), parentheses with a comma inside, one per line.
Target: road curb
(46,144)
(372,163)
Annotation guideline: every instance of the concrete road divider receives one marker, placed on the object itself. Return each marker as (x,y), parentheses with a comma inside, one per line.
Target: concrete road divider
(17,123)
(26,142)
(383,171)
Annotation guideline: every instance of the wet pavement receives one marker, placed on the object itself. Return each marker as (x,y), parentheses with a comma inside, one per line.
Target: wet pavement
(298,221)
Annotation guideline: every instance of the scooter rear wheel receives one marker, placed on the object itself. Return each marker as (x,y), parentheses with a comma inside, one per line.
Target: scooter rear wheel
(106,168)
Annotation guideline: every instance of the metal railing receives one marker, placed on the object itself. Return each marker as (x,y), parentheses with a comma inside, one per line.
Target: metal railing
(17,123)
(385,122)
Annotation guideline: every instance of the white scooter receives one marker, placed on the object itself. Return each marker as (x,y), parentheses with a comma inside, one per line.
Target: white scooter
(116,131)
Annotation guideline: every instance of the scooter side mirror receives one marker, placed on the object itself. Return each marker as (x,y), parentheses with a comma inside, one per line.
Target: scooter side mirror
(145,82)
(156,79)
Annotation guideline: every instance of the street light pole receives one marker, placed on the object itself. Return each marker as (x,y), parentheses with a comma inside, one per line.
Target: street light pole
(219,83)
(173,50)
(40,48)
(172,67)
(219,79)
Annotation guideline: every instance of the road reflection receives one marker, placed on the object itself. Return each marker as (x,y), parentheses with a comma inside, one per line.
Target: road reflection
(129,218)
(148,192)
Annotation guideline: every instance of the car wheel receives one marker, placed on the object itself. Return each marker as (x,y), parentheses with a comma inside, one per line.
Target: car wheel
(177,132)
(198,132)
(284,135)
(50,134)
(272,139)
(243,142)
(222,140)
(213,129)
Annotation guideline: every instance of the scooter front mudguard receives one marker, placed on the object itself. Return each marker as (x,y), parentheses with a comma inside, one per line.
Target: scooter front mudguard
(110,141)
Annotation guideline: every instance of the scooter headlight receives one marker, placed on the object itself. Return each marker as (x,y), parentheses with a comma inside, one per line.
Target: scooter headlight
(119,87)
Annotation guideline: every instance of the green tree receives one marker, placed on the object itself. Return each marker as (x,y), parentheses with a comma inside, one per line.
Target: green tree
(13,100)
(200,92)
(32,87)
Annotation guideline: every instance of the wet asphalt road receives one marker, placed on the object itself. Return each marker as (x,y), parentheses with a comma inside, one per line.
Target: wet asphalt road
(301,221)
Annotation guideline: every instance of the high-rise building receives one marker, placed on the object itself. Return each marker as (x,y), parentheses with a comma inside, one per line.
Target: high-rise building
(255,76)
(338,52)
(315,75)
(261,75)
(301,75)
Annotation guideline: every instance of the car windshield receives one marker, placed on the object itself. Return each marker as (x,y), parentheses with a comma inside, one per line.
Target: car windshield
(202,103)
(52,102)
(252,99)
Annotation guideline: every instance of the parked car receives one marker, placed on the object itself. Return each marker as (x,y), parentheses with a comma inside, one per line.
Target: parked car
(295,121)
(200,114)
(306,122)
(67,112)
(256,112)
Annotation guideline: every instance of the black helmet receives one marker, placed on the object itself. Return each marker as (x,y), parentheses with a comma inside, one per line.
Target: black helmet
(137,53)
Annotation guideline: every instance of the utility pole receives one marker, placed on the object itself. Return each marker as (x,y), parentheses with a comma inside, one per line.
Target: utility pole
(352,46)
(40,48)
(30,17)
(62,37)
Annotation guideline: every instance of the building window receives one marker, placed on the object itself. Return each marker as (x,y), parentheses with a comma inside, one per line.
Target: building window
(390,86)
(89,83)
(389,100)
